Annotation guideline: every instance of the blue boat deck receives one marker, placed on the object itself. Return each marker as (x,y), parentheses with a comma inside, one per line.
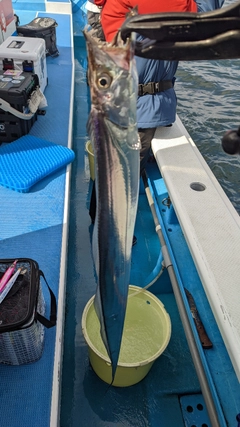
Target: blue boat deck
(35,225)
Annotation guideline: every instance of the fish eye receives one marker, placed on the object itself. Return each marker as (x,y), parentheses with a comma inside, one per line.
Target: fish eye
(104,81)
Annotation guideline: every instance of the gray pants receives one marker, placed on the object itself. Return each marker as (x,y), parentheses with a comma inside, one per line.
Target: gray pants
(146,136)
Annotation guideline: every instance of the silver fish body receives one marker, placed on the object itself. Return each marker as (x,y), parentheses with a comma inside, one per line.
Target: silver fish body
(113,131)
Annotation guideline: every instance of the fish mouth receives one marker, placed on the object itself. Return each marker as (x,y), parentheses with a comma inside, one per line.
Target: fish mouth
(122,52)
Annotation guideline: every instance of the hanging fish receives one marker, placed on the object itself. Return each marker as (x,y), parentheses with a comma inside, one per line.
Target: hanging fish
(113,132)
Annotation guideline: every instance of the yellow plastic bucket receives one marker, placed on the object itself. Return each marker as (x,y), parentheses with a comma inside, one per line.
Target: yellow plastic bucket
(89,150)
(146,334)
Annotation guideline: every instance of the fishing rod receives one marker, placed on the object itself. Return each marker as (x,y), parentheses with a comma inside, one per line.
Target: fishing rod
(185,36)
(215,414)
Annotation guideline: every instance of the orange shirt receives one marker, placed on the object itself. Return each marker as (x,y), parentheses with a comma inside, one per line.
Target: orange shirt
(114,11)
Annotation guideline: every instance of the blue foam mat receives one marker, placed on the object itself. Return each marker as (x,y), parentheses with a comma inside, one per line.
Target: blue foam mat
(29,159)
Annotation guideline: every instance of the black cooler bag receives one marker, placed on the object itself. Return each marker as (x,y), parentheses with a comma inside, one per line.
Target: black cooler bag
(22,315)
(43,28)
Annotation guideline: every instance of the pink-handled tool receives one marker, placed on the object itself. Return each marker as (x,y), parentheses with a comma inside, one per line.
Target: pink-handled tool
(10,284)
(8,273)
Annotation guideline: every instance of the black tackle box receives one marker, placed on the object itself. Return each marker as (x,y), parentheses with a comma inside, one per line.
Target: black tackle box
(44,28)
(16,90)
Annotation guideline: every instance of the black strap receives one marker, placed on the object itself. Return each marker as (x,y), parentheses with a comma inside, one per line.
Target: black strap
(154,87)
(49,323)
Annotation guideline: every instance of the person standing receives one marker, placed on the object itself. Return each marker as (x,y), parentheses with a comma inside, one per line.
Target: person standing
(157,102)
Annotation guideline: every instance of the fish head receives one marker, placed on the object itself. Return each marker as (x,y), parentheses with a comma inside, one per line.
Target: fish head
(113,81)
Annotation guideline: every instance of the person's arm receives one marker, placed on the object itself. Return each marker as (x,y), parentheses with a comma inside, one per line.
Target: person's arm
(113,15)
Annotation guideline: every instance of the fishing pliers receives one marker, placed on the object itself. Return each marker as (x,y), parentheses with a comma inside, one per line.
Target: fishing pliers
(187,36)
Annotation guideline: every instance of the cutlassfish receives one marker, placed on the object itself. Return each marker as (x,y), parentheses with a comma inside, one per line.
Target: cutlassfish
(113,132)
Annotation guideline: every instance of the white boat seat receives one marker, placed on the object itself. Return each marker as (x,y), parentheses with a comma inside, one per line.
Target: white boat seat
(210,224)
